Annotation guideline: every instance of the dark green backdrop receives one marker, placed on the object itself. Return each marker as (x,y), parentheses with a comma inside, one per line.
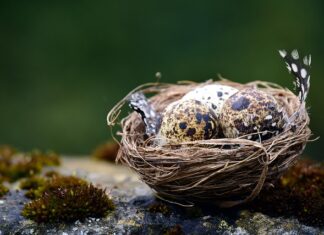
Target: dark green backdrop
(63,65)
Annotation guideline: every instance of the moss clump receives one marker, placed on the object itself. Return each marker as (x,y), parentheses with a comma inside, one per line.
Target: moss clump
(6,151)
(64,182)
(34,185)
(49,158)
(3,190)
(52,174)
(15,166)
(24,168)
(68,199)
(175,230)
(107,151)
(33,193)
(159,207)
(300,193)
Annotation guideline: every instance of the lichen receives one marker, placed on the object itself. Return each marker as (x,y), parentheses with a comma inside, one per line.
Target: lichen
(107,151)
(299,193)
(223,225)
(257,223)
(68,198)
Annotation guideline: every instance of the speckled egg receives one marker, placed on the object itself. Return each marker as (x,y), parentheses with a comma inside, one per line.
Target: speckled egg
(213,95)
(187,120)
(251,113)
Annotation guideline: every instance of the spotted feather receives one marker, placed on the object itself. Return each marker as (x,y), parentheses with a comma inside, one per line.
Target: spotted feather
(139,103)
(300,68)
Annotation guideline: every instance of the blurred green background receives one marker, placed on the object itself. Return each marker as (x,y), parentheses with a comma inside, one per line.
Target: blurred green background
(64,64)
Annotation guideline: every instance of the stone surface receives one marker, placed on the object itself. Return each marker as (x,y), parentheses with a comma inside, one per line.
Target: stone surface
(133,215)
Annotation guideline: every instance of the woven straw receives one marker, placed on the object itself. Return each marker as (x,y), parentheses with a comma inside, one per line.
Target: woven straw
(226,171)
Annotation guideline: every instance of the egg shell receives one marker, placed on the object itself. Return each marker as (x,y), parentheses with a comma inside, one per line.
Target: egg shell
(187,120)
(253,113)
(214,95)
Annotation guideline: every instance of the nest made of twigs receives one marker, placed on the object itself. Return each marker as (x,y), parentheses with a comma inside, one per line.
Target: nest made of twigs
(224,171)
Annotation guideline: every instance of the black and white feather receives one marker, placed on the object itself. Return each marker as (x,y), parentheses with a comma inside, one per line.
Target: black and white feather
(139,103)
(300,68)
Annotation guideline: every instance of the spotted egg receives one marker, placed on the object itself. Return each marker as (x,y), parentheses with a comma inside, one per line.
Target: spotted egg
(214,95)
(187,120)
(253,114)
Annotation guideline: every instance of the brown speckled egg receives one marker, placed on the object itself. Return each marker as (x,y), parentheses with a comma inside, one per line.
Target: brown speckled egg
(187,120)
(251,113)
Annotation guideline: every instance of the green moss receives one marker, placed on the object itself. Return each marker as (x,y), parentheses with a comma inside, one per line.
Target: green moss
(68,199)
(35,186)
(16,166)
(64,182)
(107,151)
(24,168)
(7,151)
(175,230)
(32,183)
(52,174)
(159,207)
(45,159)
(3,190)
(299,193)
(33,193)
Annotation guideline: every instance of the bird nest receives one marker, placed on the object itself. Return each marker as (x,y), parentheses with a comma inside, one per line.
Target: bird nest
(223,171)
